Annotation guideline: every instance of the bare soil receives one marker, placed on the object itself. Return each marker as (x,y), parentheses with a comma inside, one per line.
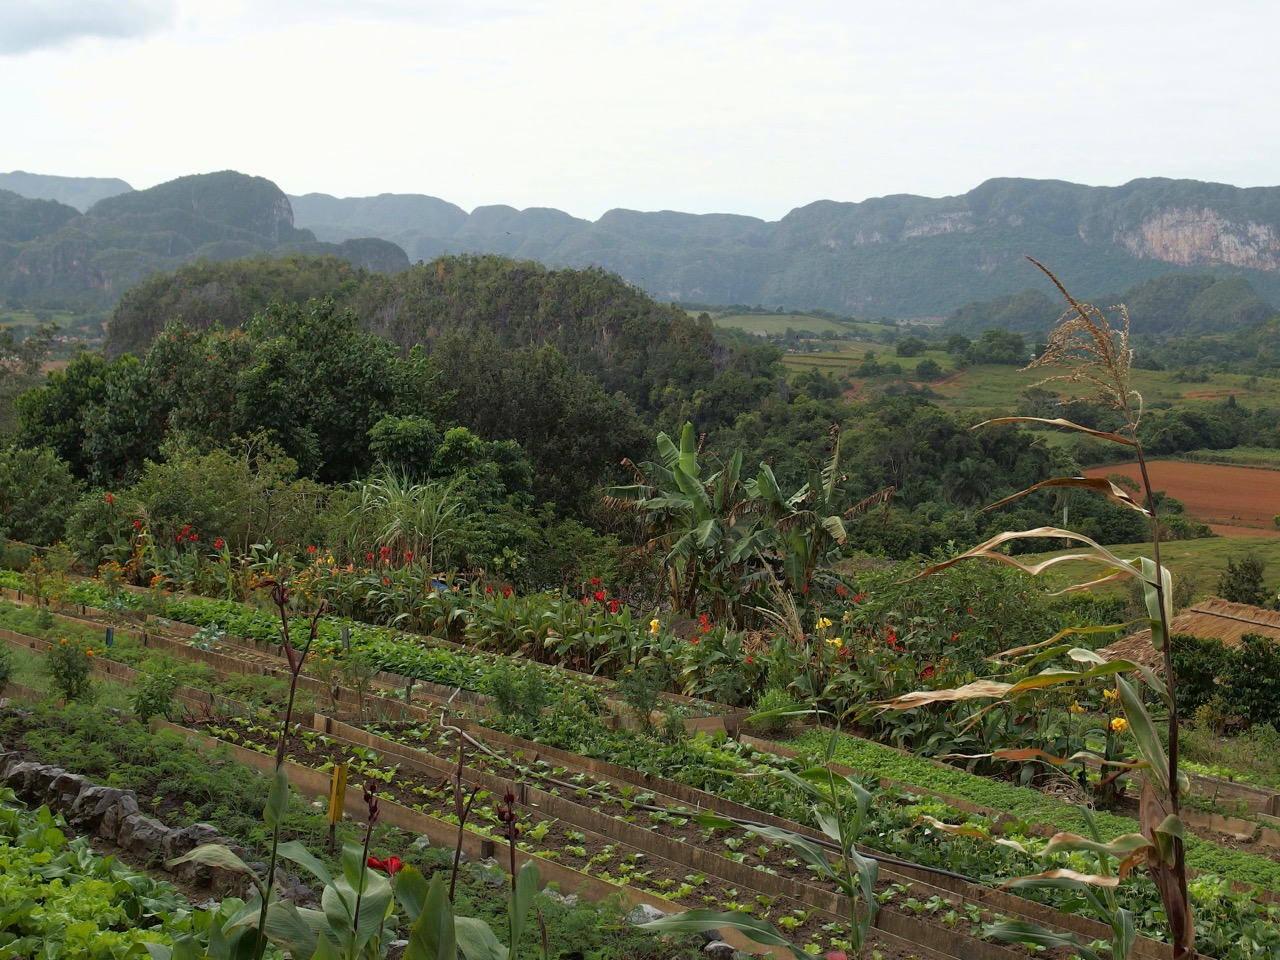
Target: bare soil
(1234,501)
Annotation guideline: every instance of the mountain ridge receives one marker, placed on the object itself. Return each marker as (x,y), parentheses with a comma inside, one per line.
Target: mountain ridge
(901,255)
(52,254)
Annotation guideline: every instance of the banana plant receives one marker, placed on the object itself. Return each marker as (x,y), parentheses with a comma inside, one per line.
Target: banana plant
(697,520)
(808,527)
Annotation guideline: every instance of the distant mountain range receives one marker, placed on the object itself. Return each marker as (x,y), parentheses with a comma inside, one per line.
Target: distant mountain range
(54,255)
(902,256)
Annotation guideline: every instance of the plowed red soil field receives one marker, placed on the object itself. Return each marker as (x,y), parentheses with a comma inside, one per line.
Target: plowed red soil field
(1234,501)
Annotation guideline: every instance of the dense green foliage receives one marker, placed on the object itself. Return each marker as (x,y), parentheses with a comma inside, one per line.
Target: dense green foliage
(226,293)
(1235,683)
(666,363)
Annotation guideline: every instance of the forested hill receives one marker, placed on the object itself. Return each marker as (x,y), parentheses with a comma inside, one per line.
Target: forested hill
(480,312)
(899,256)
(51,254)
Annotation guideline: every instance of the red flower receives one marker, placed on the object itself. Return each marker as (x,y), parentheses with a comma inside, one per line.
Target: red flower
(506,591)
(841,590)
(488,590)
(586,601)
(137,524)
(955,637)
(386,581)
(859,597)
(312,549)
(219,544)
(750,662)
(408,555)
(194,537)
(369,557)
(705,622)
(595,581)
(693,641)
(601,596)
(806,589)
(615,606)
(110,499)
(927,672)
(389,866)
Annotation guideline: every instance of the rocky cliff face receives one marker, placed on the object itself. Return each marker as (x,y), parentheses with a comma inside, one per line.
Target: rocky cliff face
(1195,236)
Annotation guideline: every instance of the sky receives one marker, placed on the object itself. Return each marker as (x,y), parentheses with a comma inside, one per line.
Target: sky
(701,106)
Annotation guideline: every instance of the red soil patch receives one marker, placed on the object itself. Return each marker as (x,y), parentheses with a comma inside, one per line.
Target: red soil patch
(1235,501)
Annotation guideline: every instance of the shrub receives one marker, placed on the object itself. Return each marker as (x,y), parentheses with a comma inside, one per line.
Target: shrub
(774,699)
(1242,581)
(154,695)
(1250,680)
(518,694)
(70,667)
(6,667)
(1197,664)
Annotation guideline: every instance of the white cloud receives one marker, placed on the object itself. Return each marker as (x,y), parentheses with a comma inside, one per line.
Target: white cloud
(50,24)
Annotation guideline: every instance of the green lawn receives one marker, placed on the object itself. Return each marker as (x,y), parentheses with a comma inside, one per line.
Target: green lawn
(1201,562)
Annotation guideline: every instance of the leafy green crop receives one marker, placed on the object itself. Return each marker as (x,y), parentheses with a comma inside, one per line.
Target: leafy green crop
(59,899)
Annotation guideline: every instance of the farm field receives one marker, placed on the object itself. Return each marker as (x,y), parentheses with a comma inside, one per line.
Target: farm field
(1234,501)
(998,387)
(777,324)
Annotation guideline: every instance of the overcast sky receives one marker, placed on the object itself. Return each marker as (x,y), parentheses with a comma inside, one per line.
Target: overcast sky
(585,105)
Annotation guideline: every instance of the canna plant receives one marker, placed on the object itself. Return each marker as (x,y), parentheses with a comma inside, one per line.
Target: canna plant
(1098,358)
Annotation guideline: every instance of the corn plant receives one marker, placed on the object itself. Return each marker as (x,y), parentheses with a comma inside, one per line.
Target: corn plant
(1095,356)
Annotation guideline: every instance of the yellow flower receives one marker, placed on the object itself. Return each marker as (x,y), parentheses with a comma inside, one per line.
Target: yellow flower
(1110,695)
(1075,707)
(822,624)
(848,615)
(1119,725)
(654,625)
(836,642)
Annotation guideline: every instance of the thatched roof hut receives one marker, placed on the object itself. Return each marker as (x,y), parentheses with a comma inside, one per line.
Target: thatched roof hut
(1211,617)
